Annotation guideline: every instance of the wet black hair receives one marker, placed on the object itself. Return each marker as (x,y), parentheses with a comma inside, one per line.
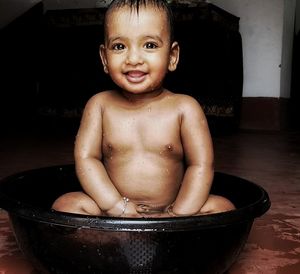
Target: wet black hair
(136,4)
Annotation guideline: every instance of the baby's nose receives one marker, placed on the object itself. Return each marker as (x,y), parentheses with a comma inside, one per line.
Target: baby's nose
(134,57)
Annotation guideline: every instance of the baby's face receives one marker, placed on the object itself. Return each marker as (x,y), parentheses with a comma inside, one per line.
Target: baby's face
(137,52)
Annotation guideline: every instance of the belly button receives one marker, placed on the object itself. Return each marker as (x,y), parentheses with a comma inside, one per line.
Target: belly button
(109,151)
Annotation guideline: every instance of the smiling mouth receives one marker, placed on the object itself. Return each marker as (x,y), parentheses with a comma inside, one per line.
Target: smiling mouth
(135,76)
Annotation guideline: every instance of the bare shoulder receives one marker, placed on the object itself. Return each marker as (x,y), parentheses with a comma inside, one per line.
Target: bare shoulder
(99,100)
(188,105)
(101,97)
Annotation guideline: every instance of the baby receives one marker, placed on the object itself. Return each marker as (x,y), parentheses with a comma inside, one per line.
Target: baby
(141,150)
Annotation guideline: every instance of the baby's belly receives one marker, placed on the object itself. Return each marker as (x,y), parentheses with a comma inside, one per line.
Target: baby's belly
(147,181)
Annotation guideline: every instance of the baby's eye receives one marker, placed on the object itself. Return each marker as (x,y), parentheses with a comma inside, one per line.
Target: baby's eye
(118,47)
(150,45)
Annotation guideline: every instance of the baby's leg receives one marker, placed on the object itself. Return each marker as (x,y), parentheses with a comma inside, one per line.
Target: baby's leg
(216,204)
(76,202)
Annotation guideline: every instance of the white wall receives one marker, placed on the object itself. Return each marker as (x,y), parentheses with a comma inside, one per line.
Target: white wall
(11,9)
(261,27)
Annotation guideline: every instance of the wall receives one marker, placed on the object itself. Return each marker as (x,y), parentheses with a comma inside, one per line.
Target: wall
(261,27)
(74,4)
(20,49)
(11,9)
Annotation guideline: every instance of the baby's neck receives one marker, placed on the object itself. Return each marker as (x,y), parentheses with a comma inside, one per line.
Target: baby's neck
(143,98)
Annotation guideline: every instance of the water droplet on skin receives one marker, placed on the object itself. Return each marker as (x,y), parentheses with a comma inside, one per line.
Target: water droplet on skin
(80,171)
(170,147)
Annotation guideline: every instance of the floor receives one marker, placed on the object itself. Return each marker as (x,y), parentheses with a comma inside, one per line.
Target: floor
(270,159)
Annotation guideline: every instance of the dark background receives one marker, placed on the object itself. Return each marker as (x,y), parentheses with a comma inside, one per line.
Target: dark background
(50,66)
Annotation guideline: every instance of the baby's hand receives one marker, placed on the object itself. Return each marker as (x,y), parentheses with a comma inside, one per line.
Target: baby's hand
(123,208)
(150,212)
(130,211)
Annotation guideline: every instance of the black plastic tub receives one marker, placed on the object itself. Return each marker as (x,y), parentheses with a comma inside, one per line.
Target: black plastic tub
(71,243)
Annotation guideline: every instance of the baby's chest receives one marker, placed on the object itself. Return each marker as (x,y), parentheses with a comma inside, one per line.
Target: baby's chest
(151,131)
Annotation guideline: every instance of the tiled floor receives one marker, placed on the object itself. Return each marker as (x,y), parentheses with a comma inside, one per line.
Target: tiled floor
(271,159)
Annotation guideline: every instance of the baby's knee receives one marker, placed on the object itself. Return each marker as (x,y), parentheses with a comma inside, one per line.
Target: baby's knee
(217,204)
(223,204)
(67,202)
(76,202)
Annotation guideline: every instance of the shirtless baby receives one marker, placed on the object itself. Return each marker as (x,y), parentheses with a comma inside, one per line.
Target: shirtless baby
(141,150)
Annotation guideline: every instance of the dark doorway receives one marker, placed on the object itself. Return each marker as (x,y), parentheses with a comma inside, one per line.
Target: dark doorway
(295,89)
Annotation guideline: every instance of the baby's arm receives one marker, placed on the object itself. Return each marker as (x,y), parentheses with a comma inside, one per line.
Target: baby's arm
(198,150)
(89,168)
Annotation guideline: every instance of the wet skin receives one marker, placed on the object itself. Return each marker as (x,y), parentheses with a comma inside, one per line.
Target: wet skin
(142,141)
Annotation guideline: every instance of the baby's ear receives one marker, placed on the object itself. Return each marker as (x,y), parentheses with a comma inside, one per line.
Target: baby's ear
(103,57)
(174,56)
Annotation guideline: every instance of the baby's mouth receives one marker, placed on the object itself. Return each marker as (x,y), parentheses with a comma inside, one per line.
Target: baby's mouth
(135,76)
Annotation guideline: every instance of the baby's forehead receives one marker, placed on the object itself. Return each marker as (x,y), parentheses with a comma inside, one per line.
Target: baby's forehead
(161,17)
(136,11)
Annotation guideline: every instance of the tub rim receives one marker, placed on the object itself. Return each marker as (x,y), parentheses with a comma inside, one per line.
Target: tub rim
(50,217)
